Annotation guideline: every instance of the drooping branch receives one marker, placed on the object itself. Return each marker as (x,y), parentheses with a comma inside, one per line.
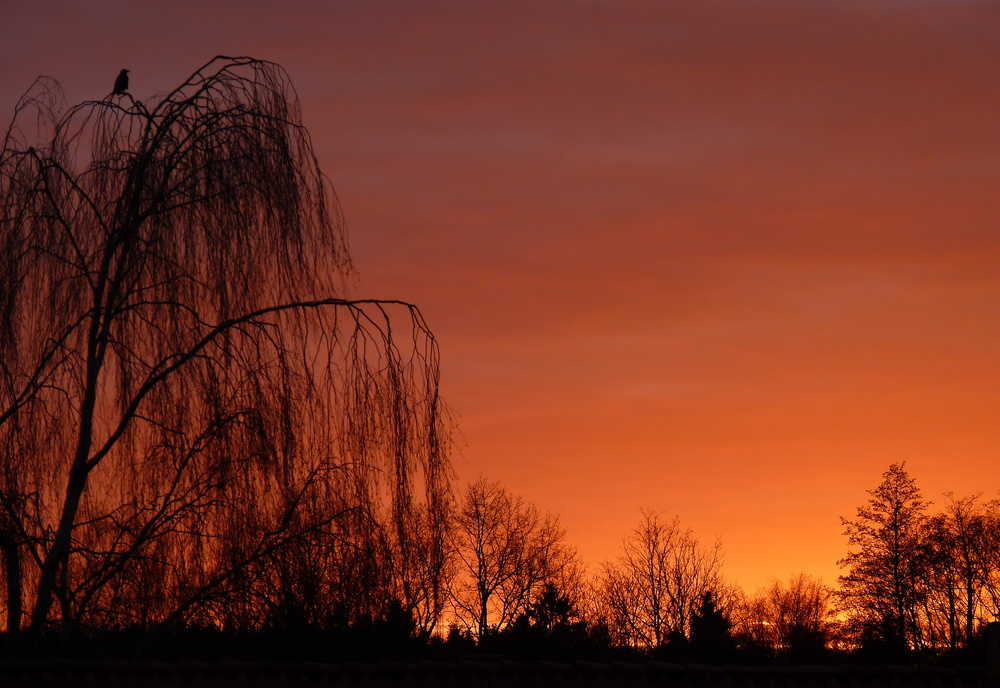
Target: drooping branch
(175,312)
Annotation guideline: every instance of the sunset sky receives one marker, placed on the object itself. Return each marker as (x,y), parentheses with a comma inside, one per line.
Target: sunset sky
(725,260)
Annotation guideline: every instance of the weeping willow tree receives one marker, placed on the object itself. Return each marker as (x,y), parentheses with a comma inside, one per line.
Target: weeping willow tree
(197,423)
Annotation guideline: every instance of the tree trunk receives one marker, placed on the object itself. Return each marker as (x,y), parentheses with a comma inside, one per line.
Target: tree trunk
(58,556)
(12,566)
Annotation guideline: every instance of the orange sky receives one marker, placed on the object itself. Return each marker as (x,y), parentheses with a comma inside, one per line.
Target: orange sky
(727,260)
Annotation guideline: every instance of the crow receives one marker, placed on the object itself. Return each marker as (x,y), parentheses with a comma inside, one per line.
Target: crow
(121,83)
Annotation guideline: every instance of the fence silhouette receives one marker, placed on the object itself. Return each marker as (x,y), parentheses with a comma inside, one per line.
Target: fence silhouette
(480,674)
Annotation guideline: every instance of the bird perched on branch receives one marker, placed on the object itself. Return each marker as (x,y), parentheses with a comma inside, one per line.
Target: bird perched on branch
(121,83)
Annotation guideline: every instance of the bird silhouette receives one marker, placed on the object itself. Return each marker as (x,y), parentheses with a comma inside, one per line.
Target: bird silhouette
(121,83)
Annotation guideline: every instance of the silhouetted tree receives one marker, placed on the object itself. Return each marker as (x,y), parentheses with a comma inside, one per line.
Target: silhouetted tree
(989,520)
(657,584)
(552,627)
(507,551)
(552,609)
(793,620)
(880,592)
(957,548)
(970,529)
(711,632)
(194,418)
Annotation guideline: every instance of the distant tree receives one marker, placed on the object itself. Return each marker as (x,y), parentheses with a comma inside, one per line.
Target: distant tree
(880,591)
(988,519)
(794,620)
(194,418)
(507,552)
(654,589)
(551,608)
(553,627)
(711,632)
(958,549)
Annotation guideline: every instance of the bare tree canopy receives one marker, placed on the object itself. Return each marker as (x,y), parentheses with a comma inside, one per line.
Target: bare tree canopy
(658,583)
(506,552)
(187,392)
(794,620)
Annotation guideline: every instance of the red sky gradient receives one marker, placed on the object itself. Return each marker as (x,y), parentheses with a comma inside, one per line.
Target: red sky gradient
(727,260)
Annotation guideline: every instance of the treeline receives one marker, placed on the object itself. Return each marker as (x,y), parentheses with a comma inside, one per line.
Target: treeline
(918,586)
